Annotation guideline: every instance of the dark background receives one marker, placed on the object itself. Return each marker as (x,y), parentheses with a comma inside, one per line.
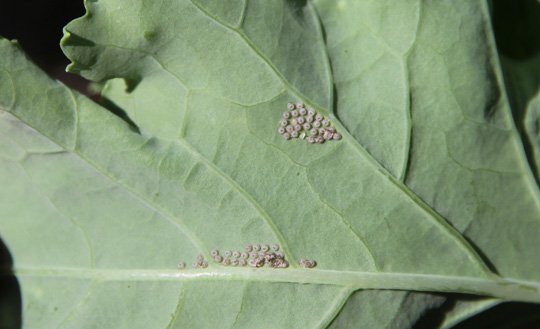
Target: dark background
(38,27)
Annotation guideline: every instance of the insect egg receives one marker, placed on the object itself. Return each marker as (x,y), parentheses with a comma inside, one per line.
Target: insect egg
(309,118)
(254,255)
(283,122)
(226,261)
(307,126)
(280,255)
(331,129)
(298,127)
(261,255)
(322,131)
(300,105)
(311,112)
(313,132)
(294,113)
(320,139)
(318,117)
(264,247)
(200,257)
(253,263)
(289,128)
(214,253)
(270,256)
(290,106)
(311,139)
(325,123)
(275,247)
(337,136)
(281,130)
(204,264)
(302,111)
(316,124)
(236,254)
(234,262)
(294,134)
(181,265)
(280,263)
(286,115)
(256,247)
(242,262)
(248,247)
(245,255)
(286,136)
(328,135)
(294,122)
(194,264)
(218,259)
(227,253)
(301,120)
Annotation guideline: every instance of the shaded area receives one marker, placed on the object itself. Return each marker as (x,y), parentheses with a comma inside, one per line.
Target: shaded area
(296,6)
(503,316)
(433,318)
(37,25)
(10,292)
(109,105)
(516,25)
(482,254)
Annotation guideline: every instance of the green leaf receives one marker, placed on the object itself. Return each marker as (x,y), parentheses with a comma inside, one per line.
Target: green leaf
(85,242)
(218,131)
(100,210)
(463,156)
(532,130)
(385,309)
(464,309)
(412,96)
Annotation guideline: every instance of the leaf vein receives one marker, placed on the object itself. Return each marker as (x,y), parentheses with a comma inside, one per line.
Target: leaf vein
(177,223)
(269,221)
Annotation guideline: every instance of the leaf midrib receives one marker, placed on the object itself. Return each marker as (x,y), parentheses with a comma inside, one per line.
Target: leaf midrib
(518,290)
(350,279)
(393,281)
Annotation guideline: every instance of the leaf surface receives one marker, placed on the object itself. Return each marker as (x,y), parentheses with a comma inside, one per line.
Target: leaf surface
(462,154)
(116,207)
(410,97)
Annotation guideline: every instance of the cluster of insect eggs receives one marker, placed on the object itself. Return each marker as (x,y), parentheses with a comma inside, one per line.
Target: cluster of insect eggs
(298,122)
(200,262)
(253,255)
(258,255)
(307,263)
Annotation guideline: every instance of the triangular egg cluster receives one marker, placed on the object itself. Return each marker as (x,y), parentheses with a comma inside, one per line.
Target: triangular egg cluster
(299,122)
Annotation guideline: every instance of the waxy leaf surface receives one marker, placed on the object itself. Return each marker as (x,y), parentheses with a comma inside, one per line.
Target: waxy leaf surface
(100,209)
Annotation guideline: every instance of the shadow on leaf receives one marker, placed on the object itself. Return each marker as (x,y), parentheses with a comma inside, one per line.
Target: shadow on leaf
(10,292)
